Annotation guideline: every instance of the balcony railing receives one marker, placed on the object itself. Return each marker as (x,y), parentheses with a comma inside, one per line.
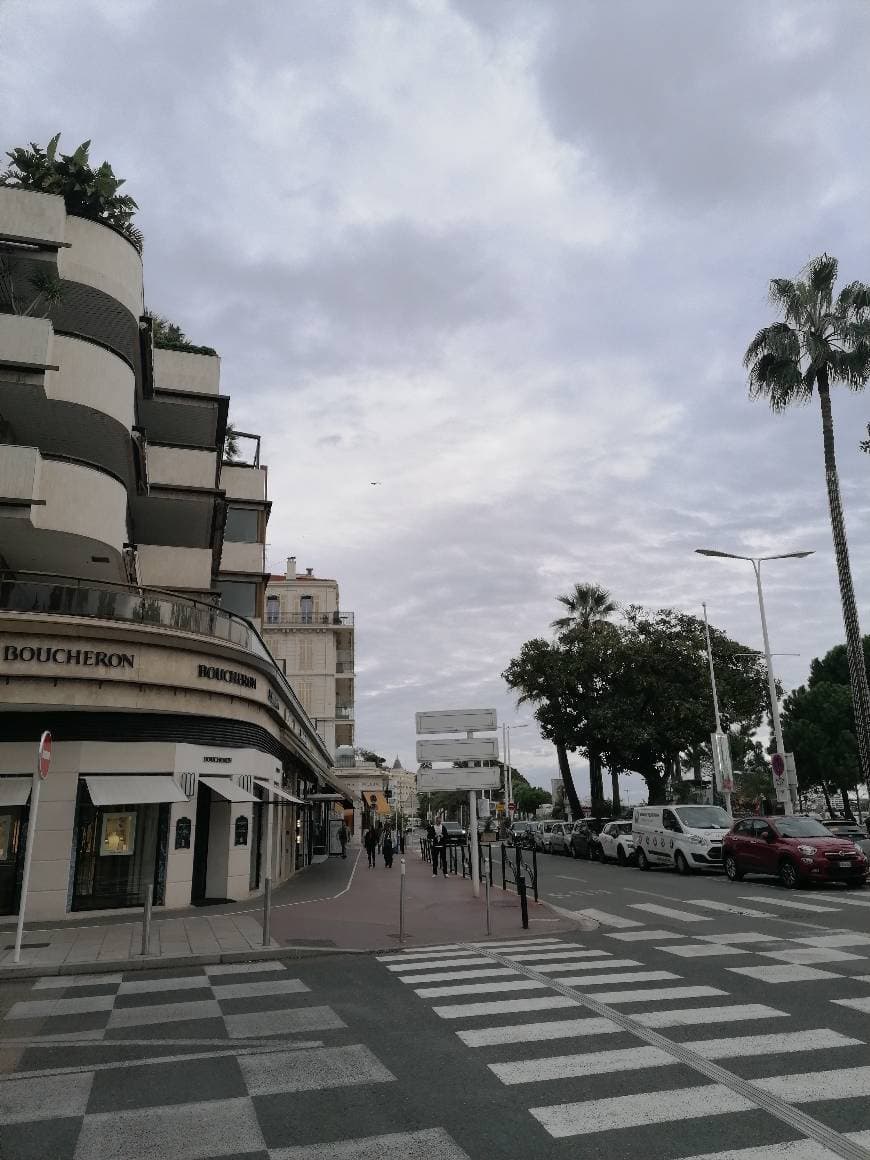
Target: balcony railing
(344,712)
(344,668)
(312,618)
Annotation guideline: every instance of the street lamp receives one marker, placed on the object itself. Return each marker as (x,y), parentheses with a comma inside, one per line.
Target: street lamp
(756,562)
(506,749)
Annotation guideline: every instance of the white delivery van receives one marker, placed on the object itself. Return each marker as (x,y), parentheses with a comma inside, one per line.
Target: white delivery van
(685,837)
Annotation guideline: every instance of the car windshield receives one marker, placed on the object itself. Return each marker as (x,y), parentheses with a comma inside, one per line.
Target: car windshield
(802,828)
(623,828)
(703,817)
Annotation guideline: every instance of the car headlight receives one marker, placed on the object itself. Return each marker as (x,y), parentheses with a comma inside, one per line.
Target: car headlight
(806,849)
(698,840)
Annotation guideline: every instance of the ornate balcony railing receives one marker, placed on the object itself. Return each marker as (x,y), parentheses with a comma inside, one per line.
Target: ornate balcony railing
(315,619)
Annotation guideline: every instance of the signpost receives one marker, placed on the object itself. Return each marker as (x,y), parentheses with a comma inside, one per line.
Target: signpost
(512,806)
(780,778)
(40,773)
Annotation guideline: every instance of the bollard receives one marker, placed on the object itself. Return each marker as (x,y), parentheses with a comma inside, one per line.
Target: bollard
(535,873)
(489,859)
(402,903)
(486,878)
(503,871)
(267,912)
(146,920)
(524,905)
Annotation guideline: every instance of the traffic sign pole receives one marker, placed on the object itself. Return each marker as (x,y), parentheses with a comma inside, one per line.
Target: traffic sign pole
(43,762)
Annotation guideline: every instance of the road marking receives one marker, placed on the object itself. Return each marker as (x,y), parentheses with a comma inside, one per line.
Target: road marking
(627,977)
(324,1067)
(164,1013)
(788,973)
(669,912)
(807,956)
(575,1066)
(519,943)
(434,1142)
(537,1032)
(479,988)
(548,956)
(286,1021)
(690,1016)
(597,965)
(44,1097)
(841,901)
(433,964)
(606,919)
(836,940)
(657,995)
(840,1083)
(244,968)
(793,1150)
(862,1005)
(446,976)
(56,982)
(44,1008)
(702,950)
(430,952)
(146,986)
(588,1116)
(727,908)
(266,987)
(782,1043)
(740,939)
(505,1007)
(645,935)
(791,904)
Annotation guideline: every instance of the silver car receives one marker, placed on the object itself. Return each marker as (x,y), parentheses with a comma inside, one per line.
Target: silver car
(559,838)
(852,832)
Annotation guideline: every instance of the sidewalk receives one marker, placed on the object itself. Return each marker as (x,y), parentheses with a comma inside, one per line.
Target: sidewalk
(337,905)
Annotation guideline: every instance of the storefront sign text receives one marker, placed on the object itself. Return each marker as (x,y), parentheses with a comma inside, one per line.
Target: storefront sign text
(91,658)
(230,676)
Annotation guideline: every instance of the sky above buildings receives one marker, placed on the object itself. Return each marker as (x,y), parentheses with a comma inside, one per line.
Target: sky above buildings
(502,259)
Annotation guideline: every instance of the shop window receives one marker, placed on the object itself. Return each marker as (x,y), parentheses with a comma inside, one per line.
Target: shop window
(241,831)
(118,835)
(242,526)
(182,834)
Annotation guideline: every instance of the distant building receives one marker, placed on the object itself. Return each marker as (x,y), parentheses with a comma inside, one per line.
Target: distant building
(379,792)
(313,641)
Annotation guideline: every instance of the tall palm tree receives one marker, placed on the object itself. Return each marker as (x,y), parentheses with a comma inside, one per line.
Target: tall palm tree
(588,607)
(821,341)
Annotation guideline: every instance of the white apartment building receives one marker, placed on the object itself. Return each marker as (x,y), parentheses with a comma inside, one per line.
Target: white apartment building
(132,588)
(312,638)
(379,793)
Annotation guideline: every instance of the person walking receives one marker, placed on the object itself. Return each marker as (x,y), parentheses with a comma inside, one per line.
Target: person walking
(343,837)
(387,846)
(439,848)
(371,844)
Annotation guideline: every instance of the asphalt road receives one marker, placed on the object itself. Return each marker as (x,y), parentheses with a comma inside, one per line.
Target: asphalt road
(733,1022)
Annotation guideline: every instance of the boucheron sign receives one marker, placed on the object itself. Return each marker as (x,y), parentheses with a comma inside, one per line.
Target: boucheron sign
(27,654)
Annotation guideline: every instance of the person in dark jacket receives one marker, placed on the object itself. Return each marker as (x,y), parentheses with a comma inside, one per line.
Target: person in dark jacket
(371,844)
(437,835)
(387,846)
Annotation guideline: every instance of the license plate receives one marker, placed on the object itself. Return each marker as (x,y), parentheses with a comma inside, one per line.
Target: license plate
(844,865)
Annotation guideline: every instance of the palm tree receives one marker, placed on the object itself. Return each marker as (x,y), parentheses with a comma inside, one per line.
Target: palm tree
(821,341)
(589,606)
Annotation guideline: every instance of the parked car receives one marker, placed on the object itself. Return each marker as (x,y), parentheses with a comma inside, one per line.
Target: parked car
(797,850)
(852,832)
(542,837)
(582,840)
(456,834)
(616,841)
(560,838)
(685,837)
(521,834)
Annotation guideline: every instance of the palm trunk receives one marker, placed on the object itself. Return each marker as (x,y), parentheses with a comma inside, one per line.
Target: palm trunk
(568,781)
(827,798)
(596,784)
(854,648)
(614,792)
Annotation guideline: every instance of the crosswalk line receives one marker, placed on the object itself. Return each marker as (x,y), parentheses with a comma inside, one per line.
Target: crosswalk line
(745,939)
(595,965)
(605,919)
(164,1013)
(644,935)
(787,973)
(434,964)
(627,977)
(841,1083)
(61,982)
(791,1150)
(520,943)
(277,986)
(744,1046)
(657,995)
(791,904)
(189,983)
(44,1008)
(537,1032)
(505,1007)
(692,1016)
(669,912)
(728,908)
(479,988)
(835,940)
(428,953)
(843,901)
(446,976)
(543,956)
(862,1005)
(659,1107)
(702,950)
(809,956)
(313,1070)
(433,1142)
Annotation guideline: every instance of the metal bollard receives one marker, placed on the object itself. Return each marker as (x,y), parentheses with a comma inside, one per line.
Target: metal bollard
(267,912)
(146,920)
(535,873)
(524,905)
(486,878)
(402,903)
(503,870)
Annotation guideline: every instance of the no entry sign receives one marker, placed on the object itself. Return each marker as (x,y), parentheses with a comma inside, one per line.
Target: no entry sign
(44,758)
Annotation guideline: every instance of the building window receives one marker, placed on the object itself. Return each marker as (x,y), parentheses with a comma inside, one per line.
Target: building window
(241,831)
(306,609)
(182,834)
(242,526)
(273,609)
(238,596)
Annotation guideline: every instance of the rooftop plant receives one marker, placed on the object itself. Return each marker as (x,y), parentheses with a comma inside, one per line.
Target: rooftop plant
(32,295)
(87,192)
(169,336)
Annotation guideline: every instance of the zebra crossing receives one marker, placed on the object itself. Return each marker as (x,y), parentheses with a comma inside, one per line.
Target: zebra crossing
(585,1025)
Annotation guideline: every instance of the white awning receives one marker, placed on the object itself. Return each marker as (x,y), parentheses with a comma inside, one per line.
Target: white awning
(14,791)
(328,797)
(139,789)
(279,792)
(226,788)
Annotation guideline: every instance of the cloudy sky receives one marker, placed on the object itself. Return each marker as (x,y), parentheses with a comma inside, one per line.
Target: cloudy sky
(503,257)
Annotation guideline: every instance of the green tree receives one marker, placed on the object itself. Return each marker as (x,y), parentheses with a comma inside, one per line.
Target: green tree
(529,798)
(589,607)
(821,341)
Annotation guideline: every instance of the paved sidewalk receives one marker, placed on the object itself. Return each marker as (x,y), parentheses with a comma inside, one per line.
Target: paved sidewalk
(337,905)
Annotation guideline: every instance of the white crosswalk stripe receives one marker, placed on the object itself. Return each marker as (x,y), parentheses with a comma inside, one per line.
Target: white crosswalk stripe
(835,940)
(537,1032)
(645,935)
(605,919)
(862,1005)
(669,912)
(703,950)
(586,965)
(728,908)
(479,988)
(657,995)
(534,957)
(446,976)
(505,1007)
(432,964)
(809,956)
(659,1107)
(596,980)
(791,904)
(787,973)
(691,1016)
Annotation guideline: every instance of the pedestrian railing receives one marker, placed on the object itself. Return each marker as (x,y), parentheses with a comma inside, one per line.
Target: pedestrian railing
(520,865)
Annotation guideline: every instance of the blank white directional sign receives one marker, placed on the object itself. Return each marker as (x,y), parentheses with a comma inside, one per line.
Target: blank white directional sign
(438,780)
(457,721)
(458,749)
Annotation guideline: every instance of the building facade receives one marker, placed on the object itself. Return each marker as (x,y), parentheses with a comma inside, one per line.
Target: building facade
(379,793)
(132,589)
(312,639)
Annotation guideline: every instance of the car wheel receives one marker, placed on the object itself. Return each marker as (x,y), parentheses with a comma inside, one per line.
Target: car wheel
(735,874)
(788,874)
(681,864)
(642,861)
(620,856)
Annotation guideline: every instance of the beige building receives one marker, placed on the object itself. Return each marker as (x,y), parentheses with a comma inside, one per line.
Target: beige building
(379,793)
(131,594)
(312,639)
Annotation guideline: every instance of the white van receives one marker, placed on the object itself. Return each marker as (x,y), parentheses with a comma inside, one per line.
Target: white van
(685,837)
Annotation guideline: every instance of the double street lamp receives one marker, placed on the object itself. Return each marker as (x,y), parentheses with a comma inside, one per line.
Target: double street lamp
(756,562)
(506,753)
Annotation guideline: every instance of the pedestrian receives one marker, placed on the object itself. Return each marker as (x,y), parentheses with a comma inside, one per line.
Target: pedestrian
(439,849)
(343,836)
(388,849)
(371,844)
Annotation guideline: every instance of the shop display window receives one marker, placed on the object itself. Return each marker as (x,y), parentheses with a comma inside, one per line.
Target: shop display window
(118,834)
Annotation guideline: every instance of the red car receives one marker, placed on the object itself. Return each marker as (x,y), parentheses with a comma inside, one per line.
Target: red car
(798,850)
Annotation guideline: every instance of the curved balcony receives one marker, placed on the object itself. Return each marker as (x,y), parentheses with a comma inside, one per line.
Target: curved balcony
(101,257)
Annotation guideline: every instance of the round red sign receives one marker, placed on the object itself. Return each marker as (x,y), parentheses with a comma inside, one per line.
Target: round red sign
(778,764)
(44,754)
(512,806)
